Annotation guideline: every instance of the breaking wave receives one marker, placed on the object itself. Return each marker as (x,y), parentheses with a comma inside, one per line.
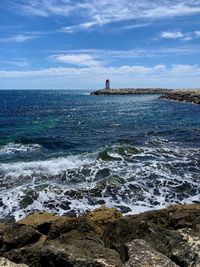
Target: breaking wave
(133,179)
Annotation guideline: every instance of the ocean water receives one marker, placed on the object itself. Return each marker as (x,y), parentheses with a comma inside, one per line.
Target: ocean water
(69,152)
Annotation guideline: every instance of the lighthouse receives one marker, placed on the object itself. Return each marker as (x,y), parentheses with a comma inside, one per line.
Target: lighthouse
(107,85)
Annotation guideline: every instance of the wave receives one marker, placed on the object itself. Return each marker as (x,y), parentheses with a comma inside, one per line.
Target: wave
(36,171)
(133,179)
(18,148)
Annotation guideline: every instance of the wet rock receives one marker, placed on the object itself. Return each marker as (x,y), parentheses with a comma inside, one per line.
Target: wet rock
(6,263)
(104,155)
(111,182)
(141,254)
(102,173)
(28,199)
(124,209)
(65,205)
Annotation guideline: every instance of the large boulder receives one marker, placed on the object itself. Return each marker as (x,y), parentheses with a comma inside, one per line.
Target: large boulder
(141,254)
(70,249)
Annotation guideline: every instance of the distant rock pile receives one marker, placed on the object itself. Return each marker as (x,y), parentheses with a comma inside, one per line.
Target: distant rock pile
(104,238)
(192,96)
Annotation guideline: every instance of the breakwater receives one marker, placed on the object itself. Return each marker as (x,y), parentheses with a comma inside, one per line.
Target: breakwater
(131,91)
(192,96)
(103,237)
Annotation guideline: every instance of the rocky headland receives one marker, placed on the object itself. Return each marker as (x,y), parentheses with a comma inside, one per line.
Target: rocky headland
(192,96)
(104,238)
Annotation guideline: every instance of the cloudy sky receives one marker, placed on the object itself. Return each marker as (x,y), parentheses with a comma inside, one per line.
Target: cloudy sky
(77,44)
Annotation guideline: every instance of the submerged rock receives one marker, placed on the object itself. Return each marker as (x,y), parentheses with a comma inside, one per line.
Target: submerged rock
(169,237)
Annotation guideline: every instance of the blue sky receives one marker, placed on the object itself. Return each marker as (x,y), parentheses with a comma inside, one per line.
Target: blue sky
(77,44)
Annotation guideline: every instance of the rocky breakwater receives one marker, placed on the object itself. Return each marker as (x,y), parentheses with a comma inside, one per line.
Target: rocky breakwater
(130,91)
(103,237)
(192,96)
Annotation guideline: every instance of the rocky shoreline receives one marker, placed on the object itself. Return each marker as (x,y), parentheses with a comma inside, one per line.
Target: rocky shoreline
(192,96)
(104,238)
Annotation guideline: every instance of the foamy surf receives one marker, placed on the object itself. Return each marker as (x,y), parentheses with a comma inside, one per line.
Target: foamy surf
(36,171)
(18,148)
(133,179)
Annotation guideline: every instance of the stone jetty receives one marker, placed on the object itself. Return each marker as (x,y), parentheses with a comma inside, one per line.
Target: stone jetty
(130,91)
(192,96)
(104,238)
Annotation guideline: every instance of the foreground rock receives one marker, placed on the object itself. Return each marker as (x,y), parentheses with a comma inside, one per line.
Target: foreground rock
(192,96)
(6,263)
(142,254)
(168,237)
(131,91)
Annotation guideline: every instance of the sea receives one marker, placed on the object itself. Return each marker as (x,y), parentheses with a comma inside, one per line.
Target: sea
(69,152)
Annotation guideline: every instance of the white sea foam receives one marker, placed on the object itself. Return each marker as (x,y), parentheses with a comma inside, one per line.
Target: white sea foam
(45,168)
(149,178)
(17,148)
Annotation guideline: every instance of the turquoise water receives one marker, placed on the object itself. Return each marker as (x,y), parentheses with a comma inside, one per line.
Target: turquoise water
(69,152)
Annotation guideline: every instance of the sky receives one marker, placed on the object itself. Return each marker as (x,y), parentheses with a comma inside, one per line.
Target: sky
(78,44)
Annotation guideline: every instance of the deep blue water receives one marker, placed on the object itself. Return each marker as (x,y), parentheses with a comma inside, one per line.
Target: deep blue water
(68,151)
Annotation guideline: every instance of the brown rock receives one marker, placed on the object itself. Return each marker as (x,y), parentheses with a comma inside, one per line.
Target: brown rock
(38,218)
(70,249)
(101,217)
(16,236)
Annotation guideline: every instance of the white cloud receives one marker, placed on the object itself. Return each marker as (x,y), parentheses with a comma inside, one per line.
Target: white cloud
(179,35)
(106,56)
(93,77)
(20,38)
(172,35)
(76,59)
(94,13)
(79,27)
(136,71)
